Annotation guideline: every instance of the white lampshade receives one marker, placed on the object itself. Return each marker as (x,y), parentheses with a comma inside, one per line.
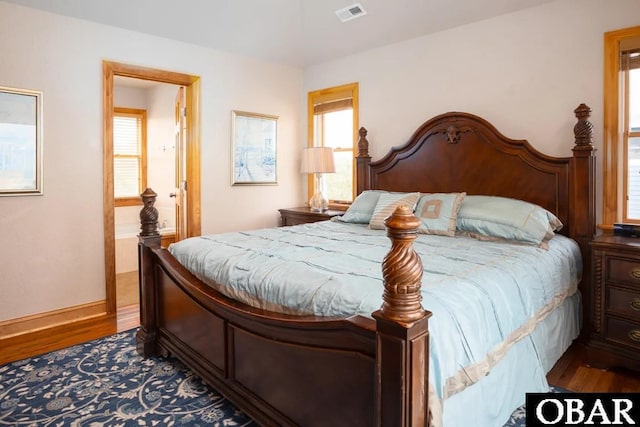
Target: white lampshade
(317,160)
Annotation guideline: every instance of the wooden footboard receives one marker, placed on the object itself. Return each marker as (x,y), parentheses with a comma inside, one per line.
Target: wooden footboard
(291,370)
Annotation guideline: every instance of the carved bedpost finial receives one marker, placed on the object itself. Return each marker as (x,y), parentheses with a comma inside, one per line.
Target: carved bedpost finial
(402,269)
(583,130)
(363,143)
(148,214)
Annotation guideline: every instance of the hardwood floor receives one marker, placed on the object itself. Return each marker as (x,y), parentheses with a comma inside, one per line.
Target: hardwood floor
(127,301)
(128,317)
(571,373)
(127,289)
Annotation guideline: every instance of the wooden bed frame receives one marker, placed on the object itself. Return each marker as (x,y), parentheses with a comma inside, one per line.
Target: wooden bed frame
(311,371)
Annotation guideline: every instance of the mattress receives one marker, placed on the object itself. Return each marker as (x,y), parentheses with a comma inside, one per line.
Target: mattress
(487,298)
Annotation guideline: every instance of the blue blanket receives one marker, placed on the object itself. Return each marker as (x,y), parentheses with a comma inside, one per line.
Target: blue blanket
(484,296)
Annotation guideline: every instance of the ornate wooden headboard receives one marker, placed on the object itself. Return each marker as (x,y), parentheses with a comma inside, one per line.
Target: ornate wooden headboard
(456,152)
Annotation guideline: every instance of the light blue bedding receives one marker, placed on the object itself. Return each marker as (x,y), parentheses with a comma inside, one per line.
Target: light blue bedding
(485,296)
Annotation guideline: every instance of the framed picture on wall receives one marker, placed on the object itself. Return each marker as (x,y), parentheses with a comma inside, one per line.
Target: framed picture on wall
(20,142)
(254,149)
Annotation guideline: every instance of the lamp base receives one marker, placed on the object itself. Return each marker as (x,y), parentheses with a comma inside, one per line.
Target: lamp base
(318,202)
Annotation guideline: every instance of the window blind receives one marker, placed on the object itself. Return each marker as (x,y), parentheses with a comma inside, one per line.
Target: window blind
(630,92)
(630,59)
(127,153)
(331,106)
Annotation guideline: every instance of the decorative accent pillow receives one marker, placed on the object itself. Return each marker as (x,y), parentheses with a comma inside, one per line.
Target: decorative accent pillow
(360,211)
(387,203)
(506,218)
(438,212)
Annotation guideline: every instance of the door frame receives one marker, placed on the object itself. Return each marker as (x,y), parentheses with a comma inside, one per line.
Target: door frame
(192,87)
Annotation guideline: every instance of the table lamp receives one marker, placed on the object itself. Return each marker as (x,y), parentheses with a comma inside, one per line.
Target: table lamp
(318,161)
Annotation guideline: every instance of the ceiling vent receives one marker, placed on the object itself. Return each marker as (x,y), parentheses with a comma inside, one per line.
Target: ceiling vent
(351,12)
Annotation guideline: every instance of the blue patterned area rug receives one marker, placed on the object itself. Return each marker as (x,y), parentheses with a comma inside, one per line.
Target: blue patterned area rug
(106,383)
(518,417)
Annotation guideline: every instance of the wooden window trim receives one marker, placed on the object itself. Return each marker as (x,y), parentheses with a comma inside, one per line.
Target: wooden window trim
(142,114)
(614,159)
(336,96)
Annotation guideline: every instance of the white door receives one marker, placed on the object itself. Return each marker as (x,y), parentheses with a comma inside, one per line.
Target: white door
(181,192)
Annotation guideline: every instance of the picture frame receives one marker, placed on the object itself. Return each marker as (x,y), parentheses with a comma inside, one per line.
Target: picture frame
(20,142)
(254,148)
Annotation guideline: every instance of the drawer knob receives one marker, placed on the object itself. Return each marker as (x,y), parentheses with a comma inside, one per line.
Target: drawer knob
(635,273)
(635,304)
(634,334)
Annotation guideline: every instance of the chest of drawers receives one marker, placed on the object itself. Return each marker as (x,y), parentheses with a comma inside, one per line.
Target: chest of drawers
(615,329)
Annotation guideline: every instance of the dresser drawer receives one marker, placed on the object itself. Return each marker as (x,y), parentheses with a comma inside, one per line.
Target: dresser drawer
(614,329)
(623,332)
(623,271)
(623,302)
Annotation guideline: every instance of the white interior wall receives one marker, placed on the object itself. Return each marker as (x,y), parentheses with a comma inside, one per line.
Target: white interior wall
(53,256)
(525,72)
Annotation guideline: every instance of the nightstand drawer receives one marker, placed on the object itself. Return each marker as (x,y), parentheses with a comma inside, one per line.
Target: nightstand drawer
(293,220)
(623,332)
(623,271)
(623,302)
(304,215)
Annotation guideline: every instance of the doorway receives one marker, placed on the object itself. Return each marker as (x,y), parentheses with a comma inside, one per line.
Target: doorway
(190,153)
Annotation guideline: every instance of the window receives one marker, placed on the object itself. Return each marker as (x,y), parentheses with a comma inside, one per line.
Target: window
(129,155)
(631,125)
(622,127)
(333,122)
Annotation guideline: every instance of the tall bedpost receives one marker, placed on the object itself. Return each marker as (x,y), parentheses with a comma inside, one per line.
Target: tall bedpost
(147,239)
(583,198)
(402,362)
(363,159)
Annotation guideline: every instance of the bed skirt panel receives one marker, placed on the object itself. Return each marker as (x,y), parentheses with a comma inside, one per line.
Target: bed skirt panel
(522,370)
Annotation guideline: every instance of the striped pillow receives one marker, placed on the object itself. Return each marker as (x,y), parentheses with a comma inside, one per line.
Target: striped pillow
(387,203)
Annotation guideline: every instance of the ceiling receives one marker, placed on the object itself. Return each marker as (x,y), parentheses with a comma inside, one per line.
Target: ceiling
(295,32)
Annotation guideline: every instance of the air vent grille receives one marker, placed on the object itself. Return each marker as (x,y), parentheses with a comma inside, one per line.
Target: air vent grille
(351,12)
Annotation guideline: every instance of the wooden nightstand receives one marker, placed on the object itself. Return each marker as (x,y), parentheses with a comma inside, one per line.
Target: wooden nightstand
(615,335)
(167,239)
(303,215)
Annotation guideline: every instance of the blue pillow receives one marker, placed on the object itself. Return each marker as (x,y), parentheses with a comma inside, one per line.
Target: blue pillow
(506,218)
(362,208)
(437,213)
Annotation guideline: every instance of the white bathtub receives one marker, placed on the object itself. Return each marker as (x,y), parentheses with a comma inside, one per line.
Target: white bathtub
(127,245)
